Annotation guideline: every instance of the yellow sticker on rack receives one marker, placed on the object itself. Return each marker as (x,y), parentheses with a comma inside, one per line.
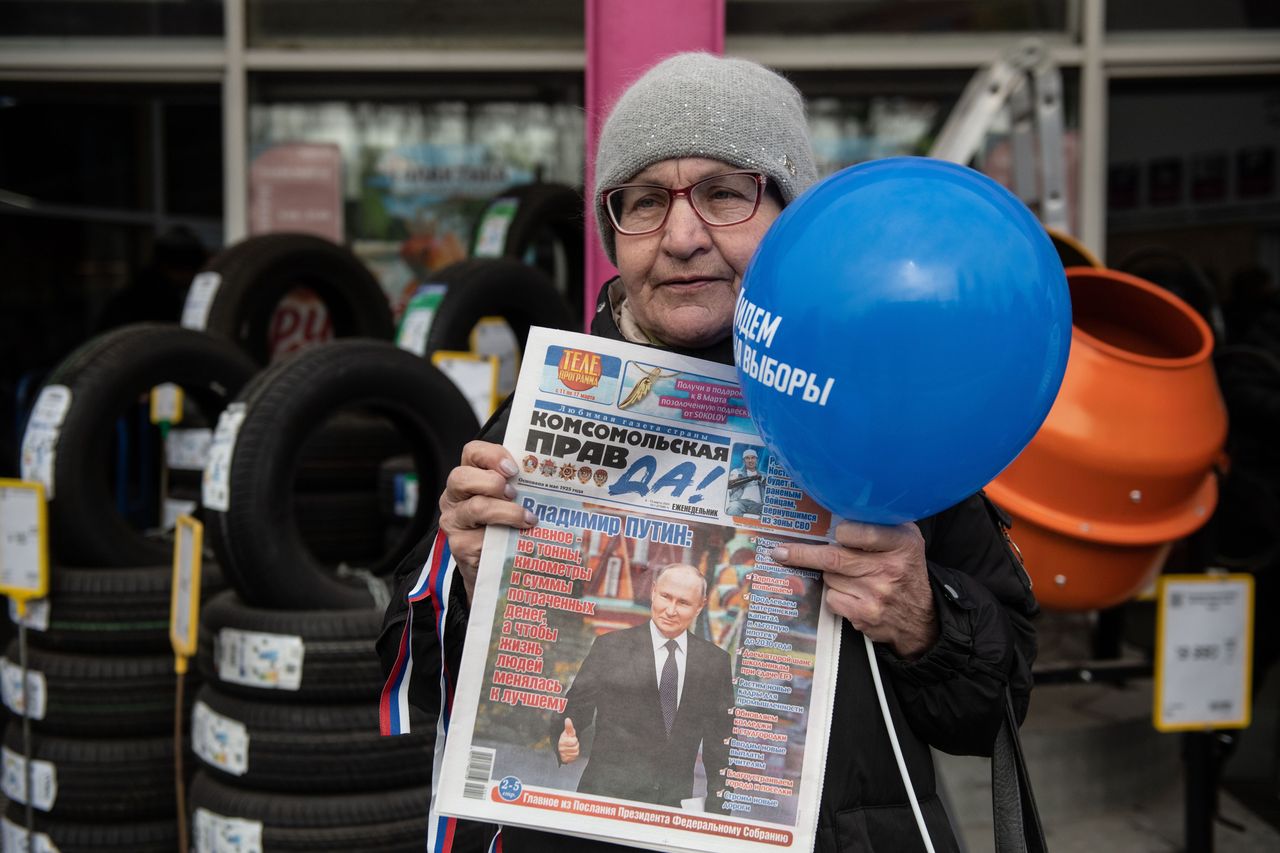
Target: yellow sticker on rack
(166,404)
(184,606)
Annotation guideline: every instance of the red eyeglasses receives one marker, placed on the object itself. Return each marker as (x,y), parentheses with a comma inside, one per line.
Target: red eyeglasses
(719,200)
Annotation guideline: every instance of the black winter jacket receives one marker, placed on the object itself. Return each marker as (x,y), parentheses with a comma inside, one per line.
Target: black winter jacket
(951,698)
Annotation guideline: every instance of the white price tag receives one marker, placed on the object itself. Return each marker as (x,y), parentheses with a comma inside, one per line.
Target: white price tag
(195,311)
(219,740)
(414,330)
(11,684)
(14,838)
(415,326)
(24,543)
(51,406)
(184,605)
(44,780)
(40,441)
(494,226)
(257,659)
(173,509)
(36,617)
(187,449)
(216,486)
(217,834)
(475,376)
(1204,648)
(492,336)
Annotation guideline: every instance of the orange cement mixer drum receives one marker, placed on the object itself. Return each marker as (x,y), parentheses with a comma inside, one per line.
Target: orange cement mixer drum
(1123,465)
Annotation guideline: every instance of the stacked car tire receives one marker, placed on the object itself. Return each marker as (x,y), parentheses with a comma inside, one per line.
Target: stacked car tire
(286,730)
(305,474)
(286,726)
(98,770)
(250,497)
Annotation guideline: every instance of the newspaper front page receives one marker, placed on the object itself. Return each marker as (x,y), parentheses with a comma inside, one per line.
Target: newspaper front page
(565,717)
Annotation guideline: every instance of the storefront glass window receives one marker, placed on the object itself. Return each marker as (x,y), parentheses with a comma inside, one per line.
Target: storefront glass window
(417,174)
(853,17)
(1194,171)
(110,201)
(559,23)
(403,23)
(111,18)
(1125,15)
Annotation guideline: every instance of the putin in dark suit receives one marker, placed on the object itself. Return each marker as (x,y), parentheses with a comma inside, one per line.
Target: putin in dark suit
(654,694)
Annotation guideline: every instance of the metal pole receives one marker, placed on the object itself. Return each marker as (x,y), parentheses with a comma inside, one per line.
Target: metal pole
(1108,634)
(235,110)
(1093,130)
(28,762)
(1200,804)
(623,40)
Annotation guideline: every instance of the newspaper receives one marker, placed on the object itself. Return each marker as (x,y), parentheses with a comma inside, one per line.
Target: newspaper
(634,459)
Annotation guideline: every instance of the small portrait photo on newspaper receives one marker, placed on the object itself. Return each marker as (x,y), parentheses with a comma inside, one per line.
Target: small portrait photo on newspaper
(746,488)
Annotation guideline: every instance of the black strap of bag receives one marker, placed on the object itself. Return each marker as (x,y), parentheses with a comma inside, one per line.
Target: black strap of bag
(1017,821)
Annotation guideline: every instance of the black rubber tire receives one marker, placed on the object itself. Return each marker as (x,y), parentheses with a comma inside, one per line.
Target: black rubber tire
(339,661)
(257,539)
(184,483)
(320,748)
(545,210)
(154,836)
(341,527)
(111,779)
(394,536)
(499,287)
(376,822)
(346,452)
(106,377)
(103,695)
(260,271)
(114,611)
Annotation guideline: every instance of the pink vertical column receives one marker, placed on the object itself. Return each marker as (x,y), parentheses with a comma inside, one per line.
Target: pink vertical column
(624,39)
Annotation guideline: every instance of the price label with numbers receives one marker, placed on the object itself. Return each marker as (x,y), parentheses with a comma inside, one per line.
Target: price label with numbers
(24,540)
(1204,649)
(184,609)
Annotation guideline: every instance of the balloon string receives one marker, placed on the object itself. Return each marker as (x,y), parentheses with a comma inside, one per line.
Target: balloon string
(897,749)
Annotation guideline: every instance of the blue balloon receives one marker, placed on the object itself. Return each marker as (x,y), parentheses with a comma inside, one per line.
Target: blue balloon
(901,335)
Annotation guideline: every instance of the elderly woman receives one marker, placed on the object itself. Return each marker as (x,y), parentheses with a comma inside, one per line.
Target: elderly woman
(697,159)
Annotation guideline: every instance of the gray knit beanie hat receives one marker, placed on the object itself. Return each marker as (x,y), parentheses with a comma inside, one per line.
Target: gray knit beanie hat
(699,105)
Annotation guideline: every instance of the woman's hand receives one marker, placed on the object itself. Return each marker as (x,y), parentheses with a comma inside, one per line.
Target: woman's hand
(478,493)
(877,579)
